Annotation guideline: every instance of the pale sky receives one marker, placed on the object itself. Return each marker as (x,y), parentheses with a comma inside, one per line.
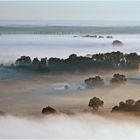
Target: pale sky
(70,10)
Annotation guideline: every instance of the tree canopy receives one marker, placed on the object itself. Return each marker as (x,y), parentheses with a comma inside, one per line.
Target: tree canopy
(113,60)
(96,81)
(117,43)
(118,79)
(48,110)
(95,103)
(129,105)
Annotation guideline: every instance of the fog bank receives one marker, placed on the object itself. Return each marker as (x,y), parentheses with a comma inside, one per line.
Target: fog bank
(75,126)
(54,45)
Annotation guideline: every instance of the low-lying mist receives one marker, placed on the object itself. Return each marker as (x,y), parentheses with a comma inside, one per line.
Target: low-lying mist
(29,95)
(54,45)
(23,99)
(71,126)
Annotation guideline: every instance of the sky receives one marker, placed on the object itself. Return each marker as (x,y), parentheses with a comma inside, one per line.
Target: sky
(70,10)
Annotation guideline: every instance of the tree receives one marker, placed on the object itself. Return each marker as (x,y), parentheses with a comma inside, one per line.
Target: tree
(132,60)
(113,60)
(43,61)
(130,102)
(117,43)
(72,56)
(48,110)
(95,103)
(137,104)
(115,108)
(23,60)
(128,106)
(54,61)
(118,79)
(96,81)
(35,61)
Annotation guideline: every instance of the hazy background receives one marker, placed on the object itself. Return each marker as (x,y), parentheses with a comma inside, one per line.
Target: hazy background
(70,10)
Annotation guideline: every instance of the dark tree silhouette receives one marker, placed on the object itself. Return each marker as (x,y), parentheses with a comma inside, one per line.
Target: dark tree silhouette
(117,43)
(23,60)
(72,56)
(128,106)
(118,79)
(130,102)
(113,60)
(43,61)
(48,110)
(96,81)
(95,103)
(35,61)
(132,60)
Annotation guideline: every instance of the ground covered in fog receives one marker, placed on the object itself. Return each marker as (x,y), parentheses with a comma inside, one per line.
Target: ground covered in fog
(29,94)
(23,98)
(24,94)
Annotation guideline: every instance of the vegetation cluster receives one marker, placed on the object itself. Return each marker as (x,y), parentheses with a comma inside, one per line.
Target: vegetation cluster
(98,82)
(129,105)
(113,60)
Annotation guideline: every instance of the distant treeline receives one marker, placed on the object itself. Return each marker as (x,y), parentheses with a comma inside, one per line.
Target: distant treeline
(113,60)
(69,30)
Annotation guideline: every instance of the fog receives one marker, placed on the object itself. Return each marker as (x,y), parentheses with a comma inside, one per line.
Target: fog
(28,95)
(23,95)
(13,46)
(23,98)
(71,126)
